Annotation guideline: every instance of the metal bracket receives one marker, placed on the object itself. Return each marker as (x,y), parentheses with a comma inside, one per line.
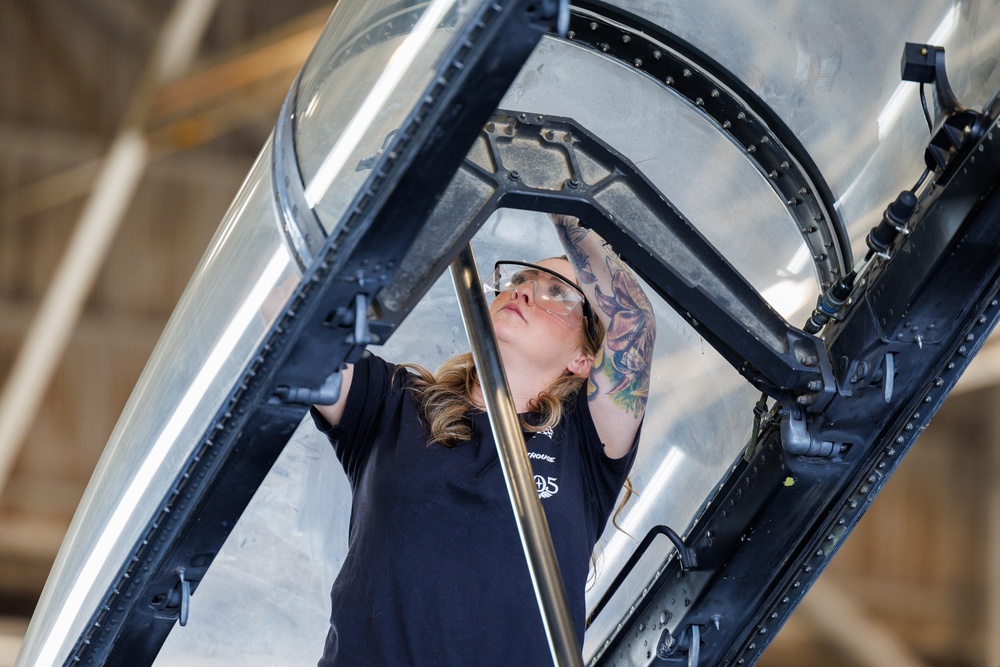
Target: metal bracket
(689,641)
(185,597)
(326,394)
(961,127)
(797,438)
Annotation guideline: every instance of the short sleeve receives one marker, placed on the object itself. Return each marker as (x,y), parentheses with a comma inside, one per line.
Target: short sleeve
(352,438)
(606,475)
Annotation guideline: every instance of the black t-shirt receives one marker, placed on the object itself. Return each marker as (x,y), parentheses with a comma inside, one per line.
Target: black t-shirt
(435,573)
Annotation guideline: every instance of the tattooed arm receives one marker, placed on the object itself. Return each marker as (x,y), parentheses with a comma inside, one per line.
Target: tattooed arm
(619,379)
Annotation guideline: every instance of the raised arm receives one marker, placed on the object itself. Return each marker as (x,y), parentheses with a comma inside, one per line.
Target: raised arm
(619,379)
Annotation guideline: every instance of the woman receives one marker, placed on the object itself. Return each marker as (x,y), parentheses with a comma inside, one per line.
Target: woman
(434,573)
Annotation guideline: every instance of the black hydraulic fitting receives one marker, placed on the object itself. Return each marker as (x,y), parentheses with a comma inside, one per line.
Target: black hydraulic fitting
(893,222)
(830,303)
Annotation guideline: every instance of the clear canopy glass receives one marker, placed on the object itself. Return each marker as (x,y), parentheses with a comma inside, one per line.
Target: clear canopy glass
(829,72)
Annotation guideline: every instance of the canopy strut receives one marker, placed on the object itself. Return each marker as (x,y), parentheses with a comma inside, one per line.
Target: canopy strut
(531,524)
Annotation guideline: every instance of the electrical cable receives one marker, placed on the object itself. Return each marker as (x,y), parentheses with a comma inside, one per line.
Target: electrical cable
(923,104)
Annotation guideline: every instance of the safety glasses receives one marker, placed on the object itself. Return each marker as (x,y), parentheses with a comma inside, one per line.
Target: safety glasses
(550,291)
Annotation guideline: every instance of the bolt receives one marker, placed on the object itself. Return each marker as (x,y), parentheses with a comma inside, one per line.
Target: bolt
(513,175)
(573,183)
(814,385)
(809,360)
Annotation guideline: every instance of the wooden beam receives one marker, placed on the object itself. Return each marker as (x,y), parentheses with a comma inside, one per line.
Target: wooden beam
(844,621)
(114,329)
(991,561)
(237,90)
(120,174)
(30,537)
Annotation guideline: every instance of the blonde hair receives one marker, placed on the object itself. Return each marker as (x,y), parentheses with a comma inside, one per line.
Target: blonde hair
(445,399)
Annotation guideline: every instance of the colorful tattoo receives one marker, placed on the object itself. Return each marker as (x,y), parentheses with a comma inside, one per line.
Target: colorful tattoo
(629,341)
(572,234)
(628,346)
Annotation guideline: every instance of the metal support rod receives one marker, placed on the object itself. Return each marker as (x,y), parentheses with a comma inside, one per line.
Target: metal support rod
(517,472)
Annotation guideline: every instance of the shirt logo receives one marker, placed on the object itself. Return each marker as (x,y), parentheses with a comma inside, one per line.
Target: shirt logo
(546,486)
(542,457)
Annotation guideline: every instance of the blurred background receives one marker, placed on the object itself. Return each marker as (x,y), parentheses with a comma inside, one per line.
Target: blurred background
(126,128)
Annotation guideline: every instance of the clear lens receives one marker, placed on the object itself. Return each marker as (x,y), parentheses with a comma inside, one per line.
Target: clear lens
(550,292)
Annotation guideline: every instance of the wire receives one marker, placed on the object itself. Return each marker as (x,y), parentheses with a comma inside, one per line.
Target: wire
(927,114)
(920,181)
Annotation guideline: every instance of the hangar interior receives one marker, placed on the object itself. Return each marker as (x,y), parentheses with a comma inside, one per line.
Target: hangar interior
(126,129)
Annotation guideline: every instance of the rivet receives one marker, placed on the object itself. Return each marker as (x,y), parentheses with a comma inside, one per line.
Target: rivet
(699,102)
(773,174)
(687,72)
(638,62)
(669,80)
(726,125)
(891,451)
(872,478)
(657,55)
(742,116)
(626,38)
(593,25)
